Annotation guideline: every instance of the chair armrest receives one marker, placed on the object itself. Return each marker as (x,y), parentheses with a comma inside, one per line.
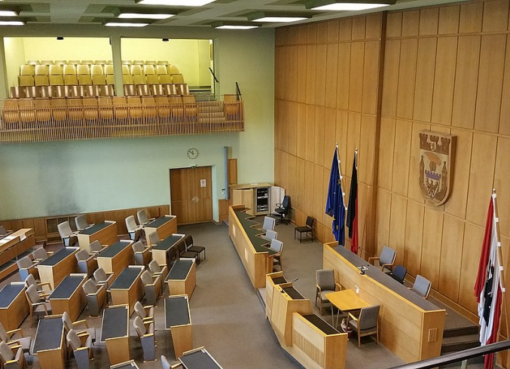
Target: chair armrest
(43,294)
(50,253)
(338,286)
(148,335)
(353,317)
(373,258)
(83,321)
(82,348)
(389,266)
(14,331)
(148,319)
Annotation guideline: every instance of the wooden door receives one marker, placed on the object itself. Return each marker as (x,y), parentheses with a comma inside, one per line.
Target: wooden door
(191,194)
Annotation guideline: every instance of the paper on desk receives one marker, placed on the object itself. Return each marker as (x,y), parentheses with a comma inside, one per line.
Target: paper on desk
(22,237)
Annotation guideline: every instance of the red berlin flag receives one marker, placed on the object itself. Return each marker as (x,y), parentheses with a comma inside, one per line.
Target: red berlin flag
(488,287)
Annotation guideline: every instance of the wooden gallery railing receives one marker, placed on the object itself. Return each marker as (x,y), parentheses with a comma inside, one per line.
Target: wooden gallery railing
(36,120)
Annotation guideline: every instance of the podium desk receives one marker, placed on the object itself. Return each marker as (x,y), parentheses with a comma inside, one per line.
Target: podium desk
(182,277)
(105,233)
(164,226)
(115,332)
(161,250)
(58,266)
(49,343)
(178,321)
(199,358)
(13,305)
(69,296)
(128,288)
(116,258)
(125,365)
(272,280)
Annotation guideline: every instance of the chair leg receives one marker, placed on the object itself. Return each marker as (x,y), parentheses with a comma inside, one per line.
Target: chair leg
(359,339)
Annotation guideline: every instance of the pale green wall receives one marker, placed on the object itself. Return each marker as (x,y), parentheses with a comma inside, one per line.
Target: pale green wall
(15,56)
(68,177)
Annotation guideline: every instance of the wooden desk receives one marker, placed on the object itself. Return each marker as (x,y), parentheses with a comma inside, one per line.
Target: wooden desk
(161,250)
(13,305)
(182,277)
(346,301)
(178,321)
(116,258)
(49,343)
(128,288)
(164,226)
(199,358)
(12,246)
(105,233)
(58,266)
(250,247)
(69,296)
(115,332)
(423,321)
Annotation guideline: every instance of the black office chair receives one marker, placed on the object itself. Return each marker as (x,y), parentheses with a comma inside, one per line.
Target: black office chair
(283,210)
(308,228)
(399,273)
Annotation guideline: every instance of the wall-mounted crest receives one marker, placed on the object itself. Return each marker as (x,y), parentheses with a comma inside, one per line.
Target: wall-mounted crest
(436,165)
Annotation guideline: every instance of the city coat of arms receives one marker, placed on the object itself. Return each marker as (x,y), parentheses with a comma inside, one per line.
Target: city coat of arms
(436,165)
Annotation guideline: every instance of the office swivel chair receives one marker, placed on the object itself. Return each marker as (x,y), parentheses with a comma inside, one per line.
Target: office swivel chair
(283,209)
(399,273)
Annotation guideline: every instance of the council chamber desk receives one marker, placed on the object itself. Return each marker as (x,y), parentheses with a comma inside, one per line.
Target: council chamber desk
(13,245)
(410,326)
(164,226)
(13,305)
(182,277)
(49,343)
(69,296)
(250,247)
(128,288)
(115,332)
(161,250)
(105,233)
(178,321)
(54,269)
(199,358)
(116,258)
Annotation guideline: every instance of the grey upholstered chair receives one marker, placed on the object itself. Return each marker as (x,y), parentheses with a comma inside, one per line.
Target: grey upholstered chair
(81,346)
(103,278)
(12,357)
(386,260)
(36,304)
(26,267)
(268,223)
(421,286)
(3,231)
(142,254)
(142,217)
(367,323)
(276,246)
(68,325)
(152,287)
(96,297)
(145,330)
(399,273)
(81,222)
(153,239)
(66,234)
(194,248)
(270,235)
(95,247)
(6,336)
(324,284)
(40,254)
(44,293)
(135,231)
(156,270)
(165,364)
(144,312)
(86,263)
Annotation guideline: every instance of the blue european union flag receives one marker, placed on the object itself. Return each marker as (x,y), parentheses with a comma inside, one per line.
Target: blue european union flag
(335,206)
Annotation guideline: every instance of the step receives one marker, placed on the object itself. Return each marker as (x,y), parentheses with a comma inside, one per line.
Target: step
(211,115)
(459,343)
(210,109)
(461,331)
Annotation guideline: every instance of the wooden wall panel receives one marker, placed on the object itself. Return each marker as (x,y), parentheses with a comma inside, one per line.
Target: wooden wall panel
(471,17)
(413,237)
(292,113)
(431,247)
(495,16)
(383,218)
(406,78)
(449,20)
(320,114)
(301,131)
(331,74)
(329,142)
(452,243)
(424,79)
(386,149)
(398,225)
(414,190)
(444,80)
(370,77)
(310,133)
(320,75)
(356,76)
(373,26)
(345,29)
(311,52)
(401,157)
(333,31)
(473,237)
(391,72)
(504,121)
(353,139)
(429,21)
(502,185)
(301,74)
(367,149)
(358,28)
(344,71)
(342,122)
(410,23)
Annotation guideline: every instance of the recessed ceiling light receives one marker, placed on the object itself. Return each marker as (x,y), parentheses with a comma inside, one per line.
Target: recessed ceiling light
(235,27)
(8,13)
(115,24)
(11,23)
(176,2)
(145,16)
(279,19)
(349,6)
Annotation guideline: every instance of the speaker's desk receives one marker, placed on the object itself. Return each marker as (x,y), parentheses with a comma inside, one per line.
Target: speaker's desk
(410,326)
(115,332)
(161,250)
(182,277)
(116,258)
(199,358)
(249,245)
(128,288)
(54,269)
(49,343)
(178,321)
(105,233)
(13,305)
(69,296)
(164,226)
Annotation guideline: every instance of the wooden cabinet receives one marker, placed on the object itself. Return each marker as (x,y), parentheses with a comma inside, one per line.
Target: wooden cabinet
(255,197)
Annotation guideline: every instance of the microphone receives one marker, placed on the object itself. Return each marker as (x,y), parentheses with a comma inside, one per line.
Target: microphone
(297,279)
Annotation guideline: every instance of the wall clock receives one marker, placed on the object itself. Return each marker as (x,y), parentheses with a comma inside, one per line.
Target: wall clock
(192,153)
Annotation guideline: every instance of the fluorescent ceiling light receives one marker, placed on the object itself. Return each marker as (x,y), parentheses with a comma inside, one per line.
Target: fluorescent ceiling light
(11,23)
(115,24)
(279,19)
(236,27)
(145,16)
(8,13)
(176,2)
(349,6)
